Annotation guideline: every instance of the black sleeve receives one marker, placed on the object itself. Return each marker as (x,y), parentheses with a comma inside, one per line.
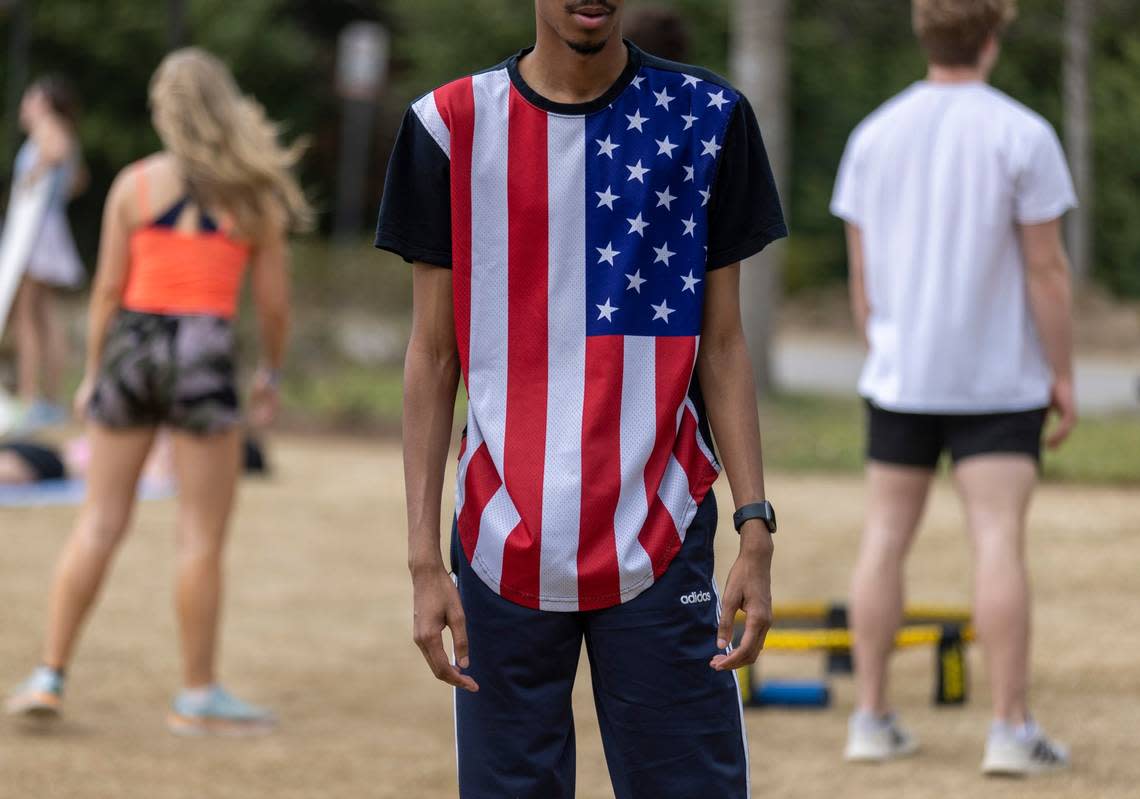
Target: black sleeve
(744,211)
(415,213)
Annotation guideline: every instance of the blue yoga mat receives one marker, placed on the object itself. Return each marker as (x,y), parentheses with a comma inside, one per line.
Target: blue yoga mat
(66,492)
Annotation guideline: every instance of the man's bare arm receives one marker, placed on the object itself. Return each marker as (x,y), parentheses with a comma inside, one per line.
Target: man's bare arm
(729,391)
(856,283)
(1051,301)
(431,379)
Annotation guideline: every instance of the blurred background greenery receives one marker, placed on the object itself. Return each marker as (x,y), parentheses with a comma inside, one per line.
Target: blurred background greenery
(844,58)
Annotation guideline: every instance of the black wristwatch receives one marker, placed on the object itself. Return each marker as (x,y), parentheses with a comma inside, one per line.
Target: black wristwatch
(756,510)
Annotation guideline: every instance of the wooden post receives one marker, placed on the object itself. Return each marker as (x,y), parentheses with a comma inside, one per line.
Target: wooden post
(19,47)
(1078,140)
(758,62)
(175,24)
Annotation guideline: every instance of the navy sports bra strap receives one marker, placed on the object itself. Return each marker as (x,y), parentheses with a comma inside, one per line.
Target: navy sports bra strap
(206,222)
(169,219)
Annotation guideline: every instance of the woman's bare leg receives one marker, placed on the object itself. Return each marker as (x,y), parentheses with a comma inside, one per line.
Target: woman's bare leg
(54,344)
(117,458)
(207,469)
(29,344)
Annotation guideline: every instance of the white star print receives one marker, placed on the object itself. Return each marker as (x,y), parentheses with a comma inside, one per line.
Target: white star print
(665,198)
(607,198)
(637,81)
(689,120)
(636,171)
(690,283)
(607,311)
(635,281)
(607,147)
(665,147)
(705,194)
(688,173)
(637,225)
(663,254)
(710,147)
(663,98)
(691,80)
(690,225)
(607,254)
(635,120)
(717,99)
(662,311)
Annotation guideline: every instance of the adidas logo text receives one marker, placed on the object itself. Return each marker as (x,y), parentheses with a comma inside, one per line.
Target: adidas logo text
(696,598)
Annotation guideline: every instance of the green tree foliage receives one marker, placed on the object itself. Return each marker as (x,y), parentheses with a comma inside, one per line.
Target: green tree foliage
(1116,156)
(848,56)
(109,50)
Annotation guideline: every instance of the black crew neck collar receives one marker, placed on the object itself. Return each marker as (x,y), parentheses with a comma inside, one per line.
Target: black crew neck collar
(632,65)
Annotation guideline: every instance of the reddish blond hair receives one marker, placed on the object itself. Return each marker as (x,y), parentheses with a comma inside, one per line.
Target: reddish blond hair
(953,32)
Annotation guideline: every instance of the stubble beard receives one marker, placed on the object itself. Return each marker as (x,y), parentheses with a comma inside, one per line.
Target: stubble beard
(587,48)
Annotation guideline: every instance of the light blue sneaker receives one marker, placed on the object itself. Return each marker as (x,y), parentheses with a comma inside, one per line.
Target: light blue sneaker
(38,697)
(215,711)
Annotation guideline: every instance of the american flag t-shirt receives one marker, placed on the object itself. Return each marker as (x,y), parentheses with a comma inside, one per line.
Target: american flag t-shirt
(579,245)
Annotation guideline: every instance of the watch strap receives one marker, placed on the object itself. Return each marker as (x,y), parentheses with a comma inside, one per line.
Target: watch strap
(755,510)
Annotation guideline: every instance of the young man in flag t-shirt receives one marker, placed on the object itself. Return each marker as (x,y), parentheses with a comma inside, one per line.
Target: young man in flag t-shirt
(576,216)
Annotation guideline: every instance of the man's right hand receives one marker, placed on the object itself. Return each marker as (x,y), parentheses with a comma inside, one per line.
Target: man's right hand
(436,605)
(1063,403)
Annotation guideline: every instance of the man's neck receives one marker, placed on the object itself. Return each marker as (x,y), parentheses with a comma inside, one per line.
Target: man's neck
(562,75)
(937,73)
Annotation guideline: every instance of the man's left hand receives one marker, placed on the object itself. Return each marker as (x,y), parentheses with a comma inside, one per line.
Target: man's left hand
(749,588)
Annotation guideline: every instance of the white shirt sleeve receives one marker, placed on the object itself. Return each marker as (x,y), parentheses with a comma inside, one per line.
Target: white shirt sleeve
(845,201)
(1044,187)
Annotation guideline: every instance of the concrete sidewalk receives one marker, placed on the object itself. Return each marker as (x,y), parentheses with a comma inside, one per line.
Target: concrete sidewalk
(831,366)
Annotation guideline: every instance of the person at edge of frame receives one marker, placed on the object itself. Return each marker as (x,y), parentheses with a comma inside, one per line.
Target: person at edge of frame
(576,217)
(181,229)
(952,194)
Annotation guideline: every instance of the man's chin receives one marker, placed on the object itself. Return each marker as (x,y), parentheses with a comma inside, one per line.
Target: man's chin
(587,46)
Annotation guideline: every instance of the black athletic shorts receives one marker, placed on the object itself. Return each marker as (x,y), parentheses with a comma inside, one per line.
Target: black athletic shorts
(919,439)
(44,462)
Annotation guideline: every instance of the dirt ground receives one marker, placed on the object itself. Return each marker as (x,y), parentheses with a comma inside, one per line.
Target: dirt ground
(318,628)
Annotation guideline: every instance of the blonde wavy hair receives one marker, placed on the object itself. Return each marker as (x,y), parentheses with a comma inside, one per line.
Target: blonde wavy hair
(229,151)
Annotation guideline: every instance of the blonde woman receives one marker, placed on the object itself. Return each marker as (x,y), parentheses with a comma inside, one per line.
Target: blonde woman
(48,114)
(179,230)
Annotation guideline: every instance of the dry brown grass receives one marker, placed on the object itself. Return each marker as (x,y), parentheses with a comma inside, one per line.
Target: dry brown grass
(318,621)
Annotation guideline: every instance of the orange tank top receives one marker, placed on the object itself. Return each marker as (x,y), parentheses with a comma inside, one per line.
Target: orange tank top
(177,272)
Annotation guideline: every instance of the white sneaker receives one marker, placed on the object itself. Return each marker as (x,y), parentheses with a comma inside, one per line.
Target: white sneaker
(1022,752)
(874,739)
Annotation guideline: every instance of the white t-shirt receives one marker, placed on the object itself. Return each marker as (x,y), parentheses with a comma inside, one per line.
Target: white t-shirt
(937,180)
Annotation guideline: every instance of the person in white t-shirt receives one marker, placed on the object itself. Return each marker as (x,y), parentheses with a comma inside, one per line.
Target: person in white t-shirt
(953,194)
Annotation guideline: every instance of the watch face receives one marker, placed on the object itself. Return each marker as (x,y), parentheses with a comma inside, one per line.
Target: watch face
(771,518)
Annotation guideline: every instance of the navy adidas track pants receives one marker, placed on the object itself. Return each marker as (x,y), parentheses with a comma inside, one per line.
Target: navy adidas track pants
(672,728)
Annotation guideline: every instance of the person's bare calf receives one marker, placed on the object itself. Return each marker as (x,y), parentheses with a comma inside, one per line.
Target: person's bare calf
(995,490)
(896,496)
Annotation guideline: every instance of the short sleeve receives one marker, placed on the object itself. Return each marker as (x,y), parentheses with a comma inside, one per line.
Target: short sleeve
(744,209)
(1044,189)
(415,212)
(845,199)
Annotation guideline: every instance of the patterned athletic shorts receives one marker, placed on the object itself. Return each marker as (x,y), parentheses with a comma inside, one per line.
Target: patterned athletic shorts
(176,371)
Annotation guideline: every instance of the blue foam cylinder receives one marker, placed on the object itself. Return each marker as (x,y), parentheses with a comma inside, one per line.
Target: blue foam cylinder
(793,693)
